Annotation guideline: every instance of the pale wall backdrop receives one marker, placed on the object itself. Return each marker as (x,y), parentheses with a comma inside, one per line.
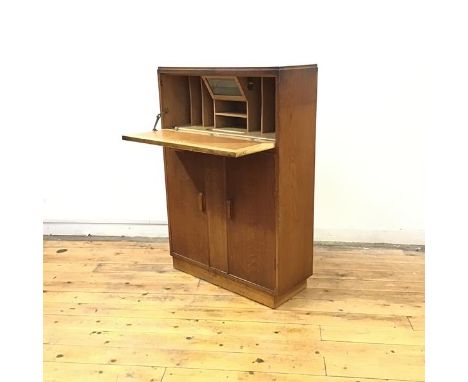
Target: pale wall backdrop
(100,81)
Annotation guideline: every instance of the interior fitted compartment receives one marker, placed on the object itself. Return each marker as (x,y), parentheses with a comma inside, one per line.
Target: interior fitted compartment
(195,100)
(233,123)
(207,106)
(235,108)
(241,106)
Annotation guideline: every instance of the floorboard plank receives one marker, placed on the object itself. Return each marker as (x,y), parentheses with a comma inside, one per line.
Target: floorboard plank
(393,336)
(193,338)
(371,295)
(229,314)
(152,356)
(346,359)
(417,322)
(79,372)
(197,375)
(375,285)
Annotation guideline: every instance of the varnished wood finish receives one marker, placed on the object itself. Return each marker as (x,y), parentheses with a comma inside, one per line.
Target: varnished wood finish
(251,226)
(297,103)
(185,193)
(236,107)
(174,100)
(215,185)
(202,143)
(251,86)
(251,135)
(231,71)
(207,106)
(228,122)
(232,114)
(118,311)
(268,104)
(235,284)
(195,100)
(228,282)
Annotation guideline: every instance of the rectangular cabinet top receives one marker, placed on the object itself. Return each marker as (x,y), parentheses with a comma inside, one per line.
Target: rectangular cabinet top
(246,71)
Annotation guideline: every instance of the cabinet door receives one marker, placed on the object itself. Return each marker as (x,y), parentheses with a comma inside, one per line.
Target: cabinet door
(188,227)
(251,218)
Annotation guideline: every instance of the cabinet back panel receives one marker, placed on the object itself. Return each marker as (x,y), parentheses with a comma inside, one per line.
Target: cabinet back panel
(231,106)
(251,219)
(185,183)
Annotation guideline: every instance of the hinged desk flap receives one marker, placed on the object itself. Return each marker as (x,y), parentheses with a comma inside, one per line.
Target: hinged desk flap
(203,143)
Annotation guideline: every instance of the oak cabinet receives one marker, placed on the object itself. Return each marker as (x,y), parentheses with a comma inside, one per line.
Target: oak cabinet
(239,156)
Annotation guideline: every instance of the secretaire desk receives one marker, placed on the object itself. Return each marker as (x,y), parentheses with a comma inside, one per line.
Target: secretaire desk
(239,157)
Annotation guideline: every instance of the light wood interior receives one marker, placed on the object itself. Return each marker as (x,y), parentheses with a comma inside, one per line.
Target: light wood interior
(202,142)
(118,311)
(240,133)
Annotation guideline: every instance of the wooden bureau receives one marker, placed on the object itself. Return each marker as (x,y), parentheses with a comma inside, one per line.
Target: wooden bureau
(239,158)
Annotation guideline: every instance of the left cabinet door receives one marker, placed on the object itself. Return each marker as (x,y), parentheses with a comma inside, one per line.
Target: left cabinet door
(186,204)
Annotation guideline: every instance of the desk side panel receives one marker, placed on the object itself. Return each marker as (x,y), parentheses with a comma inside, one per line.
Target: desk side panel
(296,105)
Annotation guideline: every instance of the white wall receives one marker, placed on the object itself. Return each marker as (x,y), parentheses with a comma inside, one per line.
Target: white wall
(99,63)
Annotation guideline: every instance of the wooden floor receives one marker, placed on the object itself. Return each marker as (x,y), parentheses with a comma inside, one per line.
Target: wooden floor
(118,311)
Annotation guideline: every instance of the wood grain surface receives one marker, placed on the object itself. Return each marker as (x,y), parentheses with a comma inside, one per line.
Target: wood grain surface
(202,143)
(118,311)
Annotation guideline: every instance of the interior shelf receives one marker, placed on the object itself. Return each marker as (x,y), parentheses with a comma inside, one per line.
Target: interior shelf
(229,114)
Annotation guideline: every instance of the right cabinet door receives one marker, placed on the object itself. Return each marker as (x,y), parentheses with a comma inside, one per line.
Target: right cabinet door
(250,205)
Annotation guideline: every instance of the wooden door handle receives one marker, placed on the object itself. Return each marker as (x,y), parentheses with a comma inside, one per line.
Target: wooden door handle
(201,201)
(229,208)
